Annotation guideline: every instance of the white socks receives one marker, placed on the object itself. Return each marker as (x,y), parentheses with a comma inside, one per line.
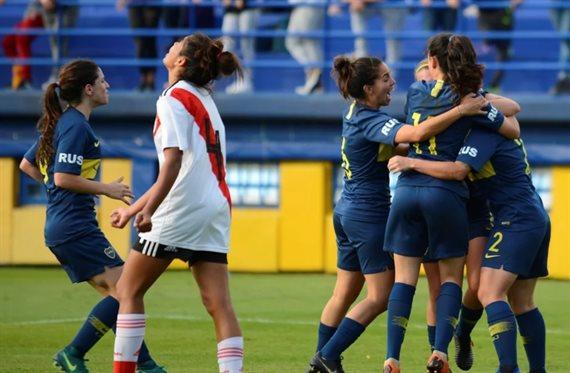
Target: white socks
(230,355)
(128,341)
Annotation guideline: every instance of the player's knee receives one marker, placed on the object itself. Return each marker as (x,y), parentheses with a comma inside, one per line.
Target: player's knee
(521,305)
(486,297)
(215,305)
(343,297)
(377,304)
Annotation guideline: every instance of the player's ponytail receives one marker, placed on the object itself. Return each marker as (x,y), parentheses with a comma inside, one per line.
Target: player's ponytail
(73,78)
(458,61)
(46,125)
(352,76)
(207,60)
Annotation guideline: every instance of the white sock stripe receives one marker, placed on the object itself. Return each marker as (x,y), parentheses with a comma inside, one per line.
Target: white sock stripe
(131,316)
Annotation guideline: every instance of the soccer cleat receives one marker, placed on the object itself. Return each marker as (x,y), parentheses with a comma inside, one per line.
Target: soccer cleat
(68,360)
(390,366)
(463,352)
(437,365)
(319,364)
(150,366)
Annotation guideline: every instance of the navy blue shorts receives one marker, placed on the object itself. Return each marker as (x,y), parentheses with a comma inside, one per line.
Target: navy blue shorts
(427,217)
(524,253)
(87,256)
(360,245)
(480,218)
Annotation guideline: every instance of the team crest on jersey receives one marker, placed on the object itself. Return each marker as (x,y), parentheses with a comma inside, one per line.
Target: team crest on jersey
(110,252)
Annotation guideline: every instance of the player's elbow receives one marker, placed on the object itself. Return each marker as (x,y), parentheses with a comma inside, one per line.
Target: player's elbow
(25,165)
(61,180)
(420,134)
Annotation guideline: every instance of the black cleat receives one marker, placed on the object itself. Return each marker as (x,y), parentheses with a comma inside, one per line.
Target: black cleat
(463,352)
(319,364)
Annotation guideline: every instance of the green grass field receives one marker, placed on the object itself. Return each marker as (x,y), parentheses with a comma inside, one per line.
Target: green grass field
(40,312)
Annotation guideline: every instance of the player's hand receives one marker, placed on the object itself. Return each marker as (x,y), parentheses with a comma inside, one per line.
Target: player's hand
(399,164)
(117,190)
(143,221)
(472,104)
(120,217)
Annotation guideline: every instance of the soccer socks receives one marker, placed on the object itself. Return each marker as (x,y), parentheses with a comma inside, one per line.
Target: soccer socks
(101,318)
(503,329)
(230,355)
(348,331)
(399,308)
(448,304)
(431,336)
(468,318)
(128,340)
(325,333)
(533,332)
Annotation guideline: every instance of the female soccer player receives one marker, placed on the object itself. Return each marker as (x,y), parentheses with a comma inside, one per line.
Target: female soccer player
(428,212)
(517,251)
(66,159)
(368,138)
(480,223)
(186,213)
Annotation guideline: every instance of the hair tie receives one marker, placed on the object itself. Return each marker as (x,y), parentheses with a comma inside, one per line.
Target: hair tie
(451,38)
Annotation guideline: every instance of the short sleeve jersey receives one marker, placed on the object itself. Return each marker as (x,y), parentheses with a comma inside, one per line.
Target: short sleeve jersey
(195,214)
(501,169)
(69,215)
(427,99)
(368,137)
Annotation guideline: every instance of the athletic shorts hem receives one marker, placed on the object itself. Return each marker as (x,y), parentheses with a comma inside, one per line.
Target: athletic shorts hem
(161,251)
(514,271)
(96,272)
(430,259)
(186,246)
(369,271)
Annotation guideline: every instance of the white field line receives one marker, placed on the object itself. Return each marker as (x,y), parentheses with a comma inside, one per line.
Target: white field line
(253,320)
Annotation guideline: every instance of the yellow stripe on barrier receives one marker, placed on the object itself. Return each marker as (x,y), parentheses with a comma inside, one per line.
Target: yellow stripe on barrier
(305,199)
(111,170)
(559,254)
(7,200)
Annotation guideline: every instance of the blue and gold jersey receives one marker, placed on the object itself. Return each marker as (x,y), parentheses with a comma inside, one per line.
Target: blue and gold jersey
(427,99)
(500,168)
(69,215)
(367,144)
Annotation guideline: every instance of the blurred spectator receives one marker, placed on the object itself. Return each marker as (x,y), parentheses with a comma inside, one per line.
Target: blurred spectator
(497,19)
(239,18)
(20,46)
(56,16)
(440,18)
(393,18)
(307,16)
(561,18)
(148,17)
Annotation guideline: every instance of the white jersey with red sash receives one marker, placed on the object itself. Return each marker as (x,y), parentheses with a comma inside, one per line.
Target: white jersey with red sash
(196,212)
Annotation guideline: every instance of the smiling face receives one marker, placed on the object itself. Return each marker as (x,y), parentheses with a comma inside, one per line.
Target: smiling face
(98,91)
(380,93)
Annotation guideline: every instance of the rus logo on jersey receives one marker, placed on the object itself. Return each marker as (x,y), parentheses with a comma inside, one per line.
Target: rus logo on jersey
(70,158)
(468,150)
(492,114)
(388,126)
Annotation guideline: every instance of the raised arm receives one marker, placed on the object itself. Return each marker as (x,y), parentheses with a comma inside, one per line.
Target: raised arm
(440,170)
(430,127)
(31,170)
(506,105)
